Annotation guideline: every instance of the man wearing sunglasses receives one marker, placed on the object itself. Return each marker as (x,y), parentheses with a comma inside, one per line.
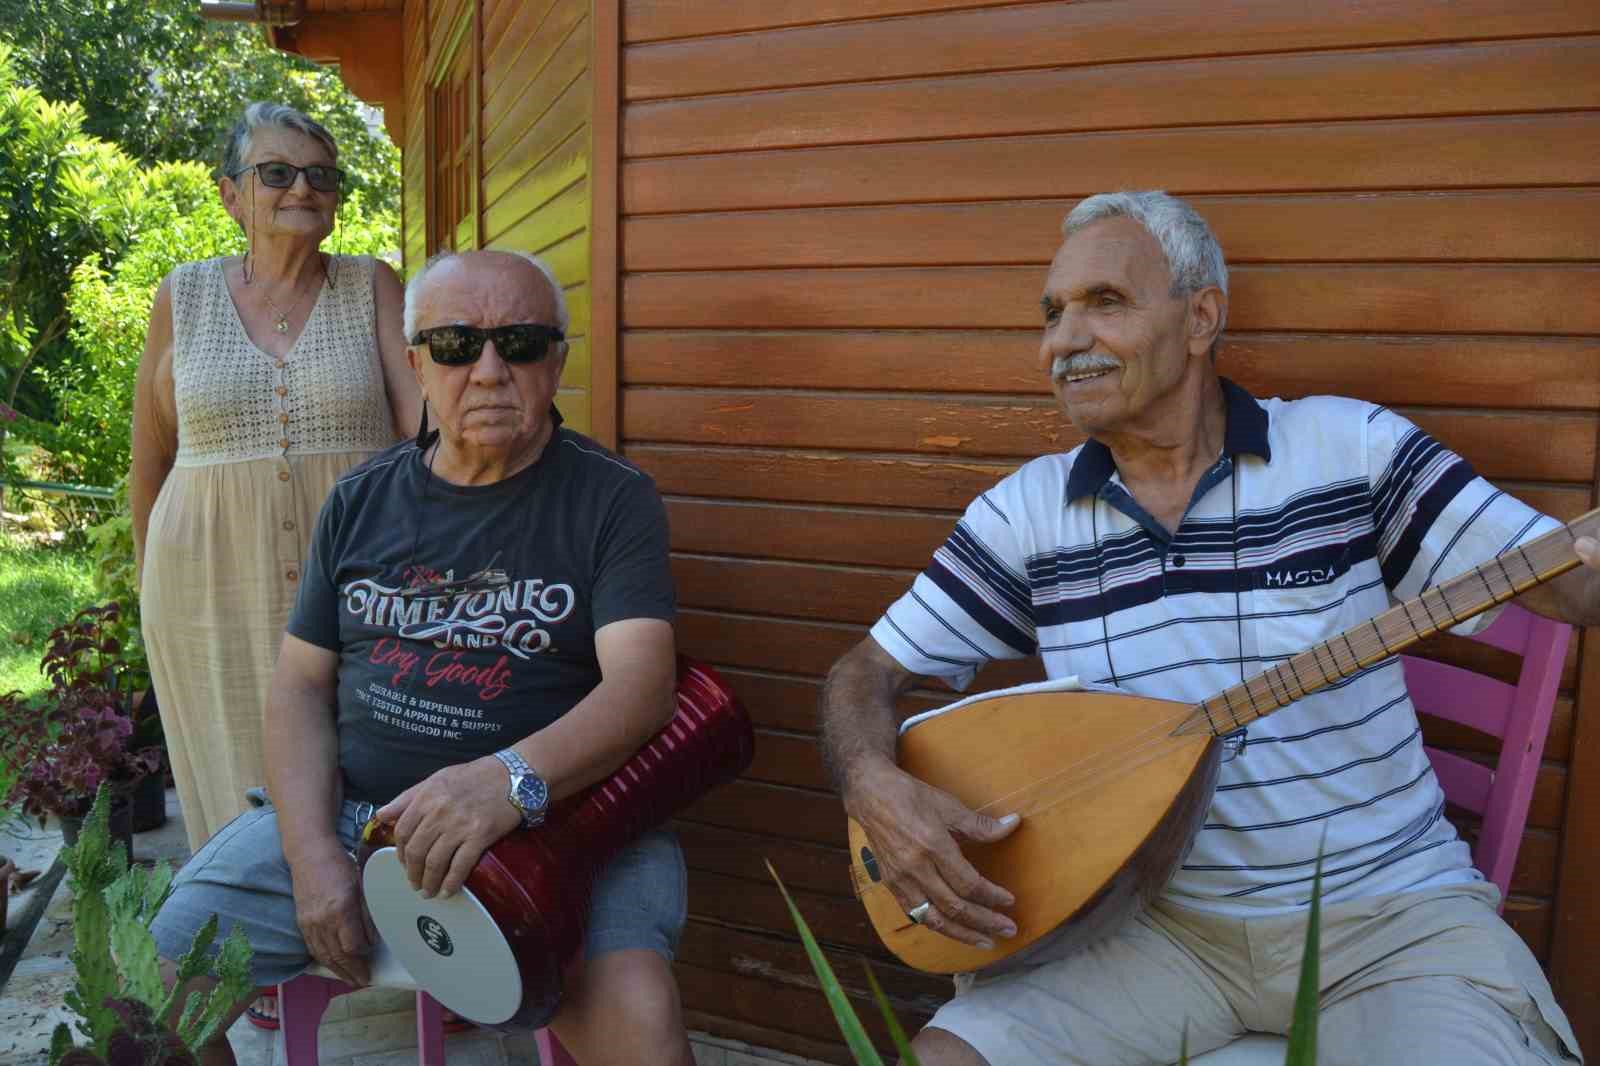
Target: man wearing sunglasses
(484,627)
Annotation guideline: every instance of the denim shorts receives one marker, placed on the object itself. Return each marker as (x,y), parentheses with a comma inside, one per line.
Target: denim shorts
(640,898)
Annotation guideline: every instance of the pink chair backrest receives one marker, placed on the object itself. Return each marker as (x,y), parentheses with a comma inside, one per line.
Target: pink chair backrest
(1519,714)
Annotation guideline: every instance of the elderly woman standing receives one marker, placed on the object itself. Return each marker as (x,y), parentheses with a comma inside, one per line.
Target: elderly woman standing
(264,378)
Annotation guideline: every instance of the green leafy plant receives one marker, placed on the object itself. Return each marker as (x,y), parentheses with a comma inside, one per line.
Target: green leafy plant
(120,999)
(116,580)
(855,1035)
(82,732)
(1302,1032)
(64,196)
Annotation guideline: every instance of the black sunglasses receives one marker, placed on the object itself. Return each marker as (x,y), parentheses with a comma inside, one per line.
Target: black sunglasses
(283,175)
(525,342)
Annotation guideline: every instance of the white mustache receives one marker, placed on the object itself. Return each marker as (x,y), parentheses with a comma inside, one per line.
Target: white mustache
(1063,366)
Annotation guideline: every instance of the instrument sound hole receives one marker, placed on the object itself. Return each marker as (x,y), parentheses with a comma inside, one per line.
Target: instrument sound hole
(435,936)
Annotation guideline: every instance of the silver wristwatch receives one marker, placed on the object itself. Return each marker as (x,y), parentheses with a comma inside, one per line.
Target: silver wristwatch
(528,792)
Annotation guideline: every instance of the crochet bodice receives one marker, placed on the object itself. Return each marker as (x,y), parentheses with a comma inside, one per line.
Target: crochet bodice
(236,402)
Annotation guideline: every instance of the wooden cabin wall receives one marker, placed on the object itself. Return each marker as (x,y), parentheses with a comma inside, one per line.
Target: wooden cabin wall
(835,220)
(527,136)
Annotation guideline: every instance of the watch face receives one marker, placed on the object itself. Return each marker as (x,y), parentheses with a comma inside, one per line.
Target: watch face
(532,793)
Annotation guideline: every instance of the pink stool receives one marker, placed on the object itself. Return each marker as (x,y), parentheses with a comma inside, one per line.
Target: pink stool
(302,1001)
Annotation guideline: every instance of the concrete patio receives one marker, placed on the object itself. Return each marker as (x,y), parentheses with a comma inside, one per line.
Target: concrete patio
(375,1027)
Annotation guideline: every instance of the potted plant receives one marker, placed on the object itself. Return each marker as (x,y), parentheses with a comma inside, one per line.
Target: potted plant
(116,580)
(81,731)
(125,1011)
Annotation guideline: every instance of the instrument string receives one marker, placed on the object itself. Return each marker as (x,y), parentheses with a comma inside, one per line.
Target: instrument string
(1363,651)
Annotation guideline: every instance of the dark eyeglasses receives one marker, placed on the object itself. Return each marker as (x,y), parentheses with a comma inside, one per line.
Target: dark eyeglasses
(283,175)
(524,342)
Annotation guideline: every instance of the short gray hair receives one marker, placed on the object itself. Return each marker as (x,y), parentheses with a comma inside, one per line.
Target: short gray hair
(1194,258)
(414,287)
(261,115)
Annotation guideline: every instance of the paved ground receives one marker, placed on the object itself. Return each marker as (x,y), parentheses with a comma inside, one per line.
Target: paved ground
(376,1027)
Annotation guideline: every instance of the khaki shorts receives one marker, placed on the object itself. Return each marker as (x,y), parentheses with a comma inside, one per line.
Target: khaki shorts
(1415,979)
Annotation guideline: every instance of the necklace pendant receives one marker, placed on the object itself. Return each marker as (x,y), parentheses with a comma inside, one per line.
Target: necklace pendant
(283,324)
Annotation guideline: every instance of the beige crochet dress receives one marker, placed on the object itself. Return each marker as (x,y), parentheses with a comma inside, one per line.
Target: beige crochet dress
(260,442)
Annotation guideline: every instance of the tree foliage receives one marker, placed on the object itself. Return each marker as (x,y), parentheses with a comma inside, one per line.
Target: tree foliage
(64,197)
(166,84)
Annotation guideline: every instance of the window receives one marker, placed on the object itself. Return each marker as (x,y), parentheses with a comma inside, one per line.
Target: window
(452,139)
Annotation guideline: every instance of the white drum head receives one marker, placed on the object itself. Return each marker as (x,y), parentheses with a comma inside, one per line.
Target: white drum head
(452,947)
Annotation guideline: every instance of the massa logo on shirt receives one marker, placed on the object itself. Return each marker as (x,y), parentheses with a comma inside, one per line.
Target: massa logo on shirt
(514,616)
(1289,579)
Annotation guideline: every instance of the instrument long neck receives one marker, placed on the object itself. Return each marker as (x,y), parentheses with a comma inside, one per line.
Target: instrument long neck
(1352,651)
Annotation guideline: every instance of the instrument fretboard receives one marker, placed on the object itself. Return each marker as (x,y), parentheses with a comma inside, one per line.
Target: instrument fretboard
(1445,605)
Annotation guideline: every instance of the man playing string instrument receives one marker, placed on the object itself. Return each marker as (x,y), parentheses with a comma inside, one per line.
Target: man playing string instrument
(1198,536)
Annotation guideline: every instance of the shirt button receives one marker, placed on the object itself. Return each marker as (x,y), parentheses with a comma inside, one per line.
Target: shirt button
(284,419)
(283,475)
(288,523)
(284,443)
(281,391)
(292,575)
(281,364)
(1178,560)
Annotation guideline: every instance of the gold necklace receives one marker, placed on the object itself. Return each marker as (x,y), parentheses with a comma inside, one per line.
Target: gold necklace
(282,324)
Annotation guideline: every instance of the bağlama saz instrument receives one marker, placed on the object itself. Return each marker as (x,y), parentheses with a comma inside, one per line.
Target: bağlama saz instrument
(1111,804)
(496,953)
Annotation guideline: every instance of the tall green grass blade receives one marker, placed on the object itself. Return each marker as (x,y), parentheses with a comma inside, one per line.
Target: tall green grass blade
(896,1033)
(1303,1029)
(855,1037)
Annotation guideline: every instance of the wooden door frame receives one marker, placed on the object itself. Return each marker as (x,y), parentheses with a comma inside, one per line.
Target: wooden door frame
(605,119)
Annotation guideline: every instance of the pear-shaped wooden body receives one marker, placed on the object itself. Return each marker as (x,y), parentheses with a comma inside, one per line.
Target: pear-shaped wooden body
(1110,801)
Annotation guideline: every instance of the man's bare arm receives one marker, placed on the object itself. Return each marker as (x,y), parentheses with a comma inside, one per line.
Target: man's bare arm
(302,754)
(443,824)
(914,828)
(858,715)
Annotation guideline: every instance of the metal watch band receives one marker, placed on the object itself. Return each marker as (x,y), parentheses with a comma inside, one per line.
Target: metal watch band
(517,768)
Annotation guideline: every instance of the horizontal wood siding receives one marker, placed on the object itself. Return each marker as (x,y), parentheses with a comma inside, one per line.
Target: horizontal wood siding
(834,223)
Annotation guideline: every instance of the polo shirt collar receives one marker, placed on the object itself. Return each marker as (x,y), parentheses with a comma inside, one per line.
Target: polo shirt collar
(1246,431)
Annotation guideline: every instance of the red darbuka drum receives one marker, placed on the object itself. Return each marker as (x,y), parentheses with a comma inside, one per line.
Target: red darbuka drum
(496,953)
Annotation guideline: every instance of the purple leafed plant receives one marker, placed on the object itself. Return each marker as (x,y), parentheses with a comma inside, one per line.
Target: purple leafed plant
(138,1040)
(81,732)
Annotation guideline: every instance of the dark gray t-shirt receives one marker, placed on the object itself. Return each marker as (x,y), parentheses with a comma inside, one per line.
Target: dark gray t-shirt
(428,677)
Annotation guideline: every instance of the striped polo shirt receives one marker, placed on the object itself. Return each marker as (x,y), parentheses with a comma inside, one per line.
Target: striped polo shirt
(1319,514)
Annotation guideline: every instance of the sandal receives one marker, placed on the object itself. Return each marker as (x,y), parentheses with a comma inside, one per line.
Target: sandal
(263,1012)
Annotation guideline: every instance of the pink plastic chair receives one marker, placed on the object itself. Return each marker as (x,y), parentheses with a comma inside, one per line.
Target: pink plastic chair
(1518,714)
(302,1001)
